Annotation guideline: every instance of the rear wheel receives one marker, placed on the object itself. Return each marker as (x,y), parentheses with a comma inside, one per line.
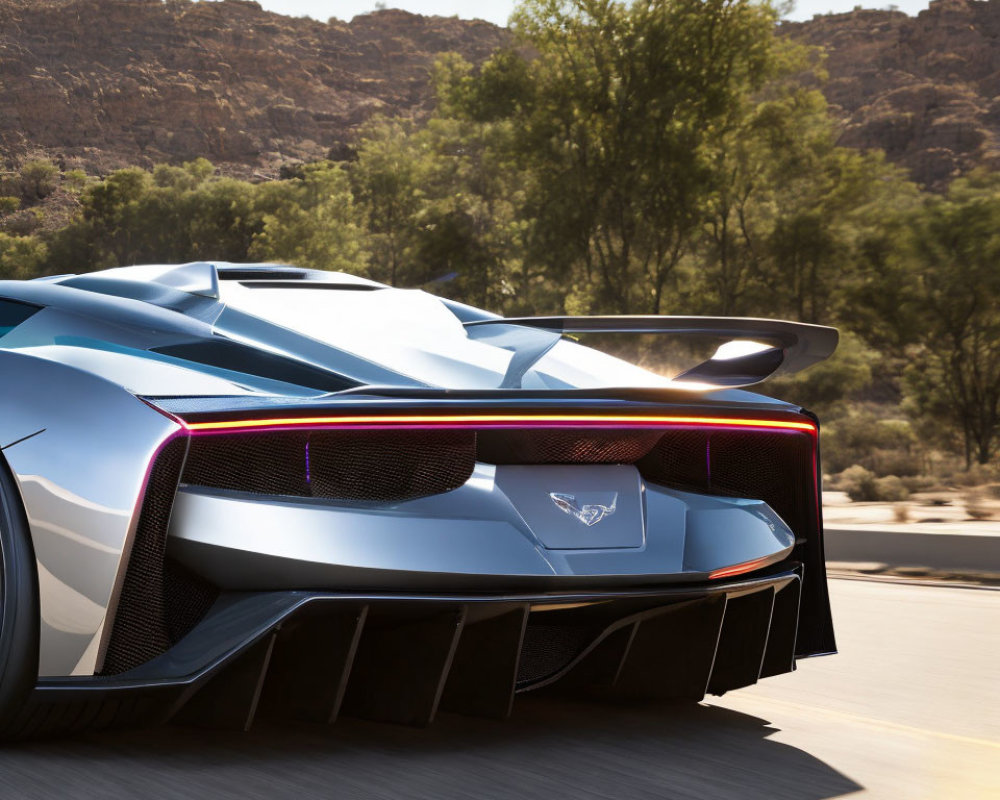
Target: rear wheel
(18,606)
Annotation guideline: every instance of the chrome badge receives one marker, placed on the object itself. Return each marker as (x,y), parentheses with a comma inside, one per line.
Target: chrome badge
(588,513)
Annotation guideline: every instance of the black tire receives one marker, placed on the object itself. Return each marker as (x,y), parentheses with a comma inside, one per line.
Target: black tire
(19,621)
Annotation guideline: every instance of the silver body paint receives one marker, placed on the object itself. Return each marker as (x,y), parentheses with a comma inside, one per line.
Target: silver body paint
(81,476)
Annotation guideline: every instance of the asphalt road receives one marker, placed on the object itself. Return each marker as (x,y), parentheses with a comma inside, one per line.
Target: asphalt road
(909,709)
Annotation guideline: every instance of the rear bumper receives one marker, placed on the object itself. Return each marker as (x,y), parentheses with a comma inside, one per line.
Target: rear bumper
(498,531)
(401,658)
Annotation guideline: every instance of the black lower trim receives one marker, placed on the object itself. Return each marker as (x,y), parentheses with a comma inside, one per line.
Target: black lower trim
(398,657)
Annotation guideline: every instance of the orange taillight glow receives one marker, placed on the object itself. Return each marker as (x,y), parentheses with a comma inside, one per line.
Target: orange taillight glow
(740,569)
(496,420)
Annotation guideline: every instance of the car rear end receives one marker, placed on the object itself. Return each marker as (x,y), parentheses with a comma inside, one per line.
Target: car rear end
(389,558)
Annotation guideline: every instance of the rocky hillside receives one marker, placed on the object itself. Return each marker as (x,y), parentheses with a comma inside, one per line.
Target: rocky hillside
(925,89)
(102,83)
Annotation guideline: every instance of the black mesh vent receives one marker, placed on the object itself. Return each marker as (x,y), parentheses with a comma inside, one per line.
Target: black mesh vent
(774,467)
(680,461)
(554,446)
(390,465)
(378,466)
(156,607)
(549,648)
(265,463)
(187,598)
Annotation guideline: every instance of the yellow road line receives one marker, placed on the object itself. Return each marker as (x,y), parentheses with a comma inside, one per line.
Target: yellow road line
(870,721)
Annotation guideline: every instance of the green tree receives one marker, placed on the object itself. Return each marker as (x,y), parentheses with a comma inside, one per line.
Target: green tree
(113,218)
(769,142)
(789,209)
(444,202)
(221,220)
(952,286)
(173,214)
(388,183)
(21,257)
(623,99)
(470,234)
(75,180)
(310,220)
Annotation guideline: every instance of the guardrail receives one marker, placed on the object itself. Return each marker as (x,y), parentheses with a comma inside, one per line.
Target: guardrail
(907,546)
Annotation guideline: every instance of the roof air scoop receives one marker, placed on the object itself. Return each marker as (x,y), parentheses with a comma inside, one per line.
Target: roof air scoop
(198,278)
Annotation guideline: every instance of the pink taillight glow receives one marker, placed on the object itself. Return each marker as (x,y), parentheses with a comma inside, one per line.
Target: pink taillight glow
(436,421)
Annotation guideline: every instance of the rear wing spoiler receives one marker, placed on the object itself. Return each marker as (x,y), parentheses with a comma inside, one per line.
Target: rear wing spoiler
(783,348)
(763,348)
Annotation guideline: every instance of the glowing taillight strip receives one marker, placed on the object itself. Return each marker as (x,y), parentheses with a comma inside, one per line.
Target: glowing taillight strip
(741,569)
(494,420)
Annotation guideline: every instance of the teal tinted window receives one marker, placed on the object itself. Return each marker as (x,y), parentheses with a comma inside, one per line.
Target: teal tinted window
(13,314)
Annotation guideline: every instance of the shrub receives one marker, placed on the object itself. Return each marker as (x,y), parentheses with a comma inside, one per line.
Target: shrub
(38,179)
(890,489)
(862,486)
(903,463)
(922,483)
(24,222)
(858,482)
(977,475)
(20,256)
(976,508)
(884,446)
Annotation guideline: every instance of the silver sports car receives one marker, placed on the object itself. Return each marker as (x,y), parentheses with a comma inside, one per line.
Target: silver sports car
(229,490)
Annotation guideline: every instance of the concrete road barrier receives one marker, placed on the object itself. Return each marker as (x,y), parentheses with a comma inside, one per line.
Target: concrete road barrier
(909,546)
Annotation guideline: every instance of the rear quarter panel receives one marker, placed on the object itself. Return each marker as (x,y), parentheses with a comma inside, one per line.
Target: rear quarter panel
(79,447)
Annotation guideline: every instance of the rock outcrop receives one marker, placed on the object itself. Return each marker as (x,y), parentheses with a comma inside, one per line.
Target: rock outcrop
(925,89)
(99,84)
(104,83)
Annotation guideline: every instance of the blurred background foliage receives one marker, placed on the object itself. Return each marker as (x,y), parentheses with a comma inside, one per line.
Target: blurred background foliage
(653,156)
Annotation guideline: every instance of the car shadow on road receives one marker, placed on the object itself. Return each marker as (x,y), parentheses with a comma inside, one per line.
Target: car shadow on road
(550,748)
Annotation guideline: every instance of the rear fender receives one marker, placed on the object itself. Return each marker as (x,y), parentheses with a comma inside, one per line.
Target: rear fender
(79,448)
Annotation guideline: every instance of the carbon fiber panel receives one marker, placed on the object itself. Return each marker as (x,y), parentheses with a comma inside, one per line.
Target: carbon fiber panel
(377,466)
(160,601)
(553,446)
